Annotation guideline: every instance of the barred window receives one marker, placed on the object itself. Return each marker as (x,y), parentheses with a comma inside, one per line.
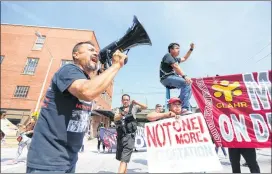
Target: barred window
(2,57)
(39,43)
(64,62)
(30,66)
(21,91)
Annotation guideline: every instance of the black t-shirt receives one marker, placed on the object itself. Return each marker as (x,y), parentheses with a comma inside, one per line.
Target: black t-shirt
(61,125)
(166,63)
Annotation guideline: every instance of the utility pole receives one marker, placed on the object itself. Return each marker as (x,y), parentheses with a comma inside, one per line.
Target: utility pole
(46,76)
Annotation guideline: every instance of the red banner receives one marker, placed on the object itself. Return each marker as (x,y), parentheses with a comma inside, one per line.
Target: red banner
(236,108)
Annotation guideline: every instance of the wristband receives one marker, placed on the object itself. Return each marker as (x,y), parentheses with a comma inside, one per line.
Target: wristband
(191,49)
(184,76)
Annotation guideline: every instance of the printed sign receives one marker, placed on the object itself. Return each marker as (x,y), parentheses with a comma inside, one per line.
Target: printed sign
(237,108)
(184,145)
(108,136)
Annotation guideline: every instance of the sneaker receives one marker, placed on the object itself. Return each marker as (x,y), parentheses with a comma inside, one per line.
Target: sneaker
(185,112)
(245,165)
(98,151)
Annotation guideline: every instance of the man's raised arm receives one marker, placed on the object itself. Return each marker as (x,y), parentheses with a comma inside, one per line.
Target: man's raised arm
(142,106)
(153,116)
(89,89)
(187,55)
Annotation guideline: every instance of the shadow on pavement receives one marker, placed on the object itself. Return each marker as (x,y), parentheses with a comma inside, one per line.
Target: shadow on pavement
(140,161)
(9,161)
(263,154)
(137,170)
(106,152)
(104,172)
(225,163)
(139,150)
(6,159)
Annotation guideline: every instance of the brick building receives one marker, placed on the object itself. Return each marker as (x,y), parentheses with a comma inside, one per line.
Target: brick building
(28,54)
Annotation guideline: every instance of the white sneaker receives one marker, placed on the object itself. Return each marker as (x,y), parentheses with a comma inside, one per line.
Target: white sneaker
(185,112)
(98,151)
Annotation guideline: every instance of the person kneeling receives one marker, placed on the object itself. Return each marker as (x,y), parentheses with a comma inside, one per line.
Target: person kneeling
(175,110)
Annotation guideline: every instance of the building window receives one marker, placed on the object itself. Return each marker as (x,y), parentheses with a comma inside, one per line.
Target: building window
(64,62)
(21,91)
(2,58)
(30,66)
(39,43)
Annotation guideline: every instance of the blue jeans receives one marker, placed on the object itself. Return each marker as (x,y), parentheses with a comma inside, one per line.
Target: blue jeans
(185,89)
(32,170)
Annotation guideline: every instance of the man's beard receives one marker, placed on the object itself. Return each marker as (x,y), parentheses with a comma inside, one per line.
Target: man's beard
(91,67)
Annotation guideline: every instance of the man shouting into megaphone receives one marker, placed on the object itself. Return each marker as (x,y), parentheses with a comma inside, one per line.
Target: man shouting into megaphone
(64,116)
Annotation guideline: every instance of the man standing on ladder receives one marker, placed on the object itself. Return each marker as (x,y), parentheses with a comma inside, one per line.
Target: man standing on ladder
(171,75)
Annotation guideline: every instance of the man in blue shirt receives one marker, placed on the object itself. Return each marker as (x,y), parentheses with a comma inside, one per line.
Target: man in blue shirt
(65,113)
(171,74)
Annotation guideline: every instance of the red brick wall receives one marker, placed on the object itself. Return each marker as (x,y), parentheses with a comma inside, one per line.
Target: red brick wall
(95,122)
(16,45)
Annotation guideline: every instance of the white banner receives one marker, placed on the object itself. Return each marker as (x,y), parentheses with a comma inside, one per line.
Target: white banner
(184,145)
(140,142)
(8,128)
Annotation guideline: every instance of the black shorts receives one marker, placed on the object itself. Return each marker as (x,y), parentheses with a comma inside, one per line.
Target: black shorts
(125,146)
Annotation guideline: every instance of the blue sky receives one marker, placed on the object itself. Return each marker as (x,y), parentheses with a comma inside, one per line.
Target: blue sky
(230,37)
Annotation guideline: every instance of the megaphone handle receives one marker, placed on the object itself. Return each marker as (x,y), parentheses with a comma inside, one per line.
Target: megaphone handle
(106,66)
(109,62)
(108,58)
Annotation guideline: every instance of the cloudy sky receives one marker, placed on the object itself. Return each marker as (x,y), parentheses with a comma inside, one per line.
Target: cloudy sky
(230,37)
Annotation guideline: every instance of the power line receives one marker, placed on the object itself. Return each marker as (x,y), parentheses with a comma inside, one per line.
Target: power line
(263,57)
(261,50)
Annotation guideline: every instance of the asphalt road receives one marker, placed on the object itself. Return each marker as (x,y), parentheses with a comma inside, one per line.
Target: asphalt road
(92,162)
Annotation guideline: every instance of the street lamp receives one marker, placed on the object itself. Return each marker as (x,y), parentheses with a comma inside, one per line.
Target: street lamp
(38,34)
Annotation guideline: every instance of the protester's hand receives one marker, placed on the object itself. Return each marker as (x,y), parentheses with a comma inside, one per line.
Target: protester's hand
(134,102)
(101,69)
(192,45)
(119,58)
(170,114)
(188,80)
(177,117)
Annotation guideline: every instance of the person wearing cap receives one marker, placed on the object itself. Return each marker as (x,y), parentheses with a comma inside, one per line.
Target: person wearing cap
(158,108)
(174,111)
(171,75)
